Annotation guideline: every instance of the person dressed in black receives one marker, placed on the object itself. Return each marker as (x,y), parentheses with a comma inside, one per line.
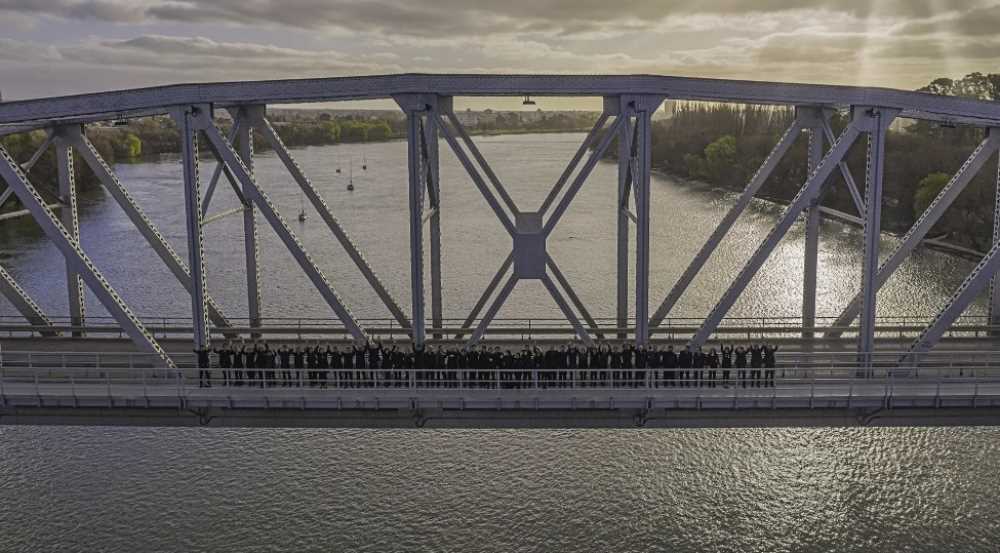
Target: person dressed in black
(756,362)
(727,363)
(684,361)
(769,364)
(285,361)
(239,361)
(250,361)
(299,358)
(204,366)
(270,364)
(741,365)
(698,364)
(670,366)
(322,364)
(712,362)
(311,363)
(225,354)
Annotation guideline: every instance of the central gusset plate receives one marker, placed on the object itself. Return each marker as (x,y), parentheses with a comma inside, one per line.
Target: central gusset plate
(529,246)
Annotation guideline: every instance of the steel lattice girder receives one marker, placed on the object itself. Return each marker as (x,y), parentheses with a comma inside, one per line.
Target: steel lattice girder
(140,220)
(158,100)
(224,150)
(812,188)
(72,250)
(925,223)
(71,220)
(514,231)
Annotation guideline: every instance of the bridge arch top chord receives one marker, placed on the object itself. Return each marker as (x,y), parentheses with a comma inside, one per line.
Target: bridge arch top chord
(157,100)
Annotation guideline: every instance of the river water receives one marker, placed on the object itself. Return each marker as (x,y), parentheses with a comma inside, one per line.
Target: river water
(121,489)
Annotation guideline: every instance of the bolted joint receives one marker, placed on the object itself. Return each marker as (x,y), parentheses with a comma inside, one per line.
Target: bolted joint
(867,118)
(813,117)
(65,135)
(641,102)
(423,103)
(253,113)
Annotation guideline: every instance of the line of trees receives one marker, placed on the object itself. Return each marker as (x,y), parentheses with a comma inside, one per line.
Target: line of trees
(725,144)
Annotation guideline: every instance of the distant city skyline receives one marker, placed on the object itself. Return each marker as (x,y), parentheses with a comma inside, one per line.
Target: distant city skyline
(57,47)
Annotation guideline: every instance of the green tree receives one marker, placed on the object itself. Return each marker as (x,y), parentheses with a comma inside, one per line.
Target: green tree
(928,188)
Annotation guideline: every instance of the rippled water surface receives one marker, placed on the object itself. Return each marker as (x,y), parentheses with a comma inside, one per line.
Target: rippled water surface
(123,489)
(89,489)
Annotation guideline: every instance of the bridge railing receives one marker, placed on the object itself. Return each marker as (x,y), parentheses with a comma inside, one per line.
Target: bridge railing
(132,373)
(731,329)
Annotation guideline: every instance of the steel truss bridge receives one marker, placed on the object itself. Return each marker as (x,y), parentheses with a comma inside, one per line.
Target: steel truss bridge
(629,102)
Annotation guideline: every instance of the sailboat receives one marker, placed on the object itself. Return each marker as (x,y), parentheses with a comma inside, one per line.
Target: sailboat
(350,181)
(302,210)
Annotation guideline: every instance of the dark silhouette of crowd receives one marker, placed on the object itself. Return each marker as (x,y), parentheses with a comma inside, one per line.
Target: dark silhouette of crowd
(375,365)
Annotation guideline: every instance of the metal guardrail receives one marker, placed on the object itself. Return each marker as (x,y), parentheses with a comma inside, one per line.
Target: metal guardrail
(735,328)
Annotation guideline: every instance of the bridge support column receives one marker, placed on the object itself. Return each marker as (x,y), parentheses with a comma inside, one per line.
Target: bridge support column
(192,209)
(626,161)
(417,107)
(645,108)
(878,126)
(244,143)
(71,220)
(812,188)
(432,175)
(925,222)
(814,154)
(994,307)
(71,250)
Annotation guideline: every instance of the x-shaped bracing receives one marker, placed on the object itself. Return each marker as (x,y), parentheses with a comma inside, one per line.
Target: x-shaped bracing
(529,229)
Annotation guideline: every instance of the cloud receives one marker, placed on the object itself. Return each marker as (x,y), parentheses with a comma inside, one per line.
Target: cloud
(462,17)
(199,57)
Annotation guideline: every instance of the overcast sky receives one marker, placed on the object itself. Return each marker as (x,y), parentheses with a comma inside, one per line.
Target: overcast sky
(54,47)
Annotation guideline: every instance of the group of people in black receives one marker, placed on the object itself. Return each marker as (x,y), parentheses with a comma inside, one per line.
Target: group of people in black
(375,365)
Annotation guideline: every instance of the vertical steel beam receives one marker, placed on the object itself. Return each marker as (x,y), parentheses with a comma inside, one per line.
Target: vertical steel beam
(142,223)
(813,187)
(692,270)
(415,165)
(994,307)
(317,201)
(872,231)
(924,223)
(244,141)
(625,178)
(71,220)
(811,263)
(23,302)
(640,180)
(432,175)
(71,249)
(192,209)
(224,150)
